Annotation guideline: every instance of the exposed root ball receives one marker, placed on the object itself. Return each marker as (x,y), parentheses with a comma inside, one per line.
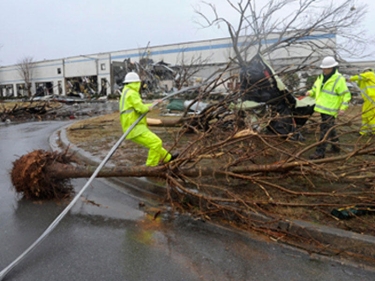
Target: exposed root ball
(30,179)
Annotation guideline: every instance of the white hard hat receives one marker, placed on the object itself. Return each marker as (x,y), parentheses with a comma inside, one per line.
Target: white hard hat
(131,77)
(368,69)
(329,62)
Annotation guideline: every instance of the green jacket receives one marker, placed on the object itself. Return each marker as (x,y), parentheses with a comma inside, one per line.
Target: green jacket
(131,108)
(331,97)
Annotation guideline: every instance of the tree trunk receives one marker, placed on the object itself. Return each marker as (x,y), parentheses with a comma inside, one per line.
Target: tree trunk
(68,171)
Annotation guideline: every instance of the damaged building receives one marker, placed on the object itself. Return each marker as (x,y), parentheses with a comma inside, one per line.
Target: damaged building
(102,74)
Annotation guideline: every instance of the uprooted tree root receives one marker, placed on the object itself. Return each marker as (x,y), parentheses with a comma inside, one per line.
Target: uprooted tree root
(29,176)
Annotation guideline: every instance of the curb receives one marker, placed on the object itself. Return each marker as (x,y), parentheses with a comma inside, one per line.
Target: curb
(358,247)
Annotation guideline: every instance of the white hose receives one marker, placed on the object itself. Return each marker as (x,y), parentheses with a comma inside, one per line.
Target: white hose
(6,270)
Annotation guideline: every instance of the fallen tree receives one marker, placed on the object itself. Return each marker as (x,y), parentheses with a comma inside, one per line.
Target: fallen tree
(35,170)
(203,171)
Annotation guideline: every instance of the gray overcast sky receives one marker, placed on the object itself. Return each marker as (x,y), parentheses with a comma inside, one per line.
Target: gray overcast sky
(47,29)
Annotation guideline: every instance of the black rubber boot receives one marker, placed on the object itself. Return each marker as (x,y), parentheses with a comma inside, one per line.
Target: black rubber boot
(174,156)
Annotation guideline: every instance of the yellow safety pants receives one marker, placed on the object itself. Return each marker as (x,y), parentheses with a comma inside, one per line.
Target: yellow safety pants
(368,117)
(156,151)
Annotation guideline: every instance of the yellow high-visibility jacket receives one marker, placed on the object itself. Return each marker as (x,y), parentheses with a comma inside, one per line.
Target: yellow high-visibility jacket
(366,82)
(331,97)
(131,108)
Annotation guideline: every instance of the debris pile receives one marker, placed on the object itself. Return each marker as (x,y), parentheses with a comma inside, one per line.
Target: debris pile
(26,111)
(62,108)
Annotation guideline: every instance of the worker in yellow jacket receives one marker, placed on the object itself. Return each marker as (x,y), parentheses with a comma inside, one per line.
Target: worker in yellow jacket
(332,98)
(131,108)
(366,82)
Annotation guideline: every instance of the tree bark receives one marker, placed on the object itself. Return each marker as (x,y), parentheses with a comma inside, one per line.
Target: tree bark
(68,171)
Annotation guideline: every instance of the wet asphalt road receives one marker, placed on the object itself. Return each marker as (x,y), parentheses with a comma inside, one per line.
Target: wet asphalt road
(113,239)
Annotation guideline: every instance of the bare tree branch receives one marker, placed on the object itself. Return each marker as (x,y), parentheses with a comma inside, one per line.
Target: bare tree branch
(287,23)
(25,69)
